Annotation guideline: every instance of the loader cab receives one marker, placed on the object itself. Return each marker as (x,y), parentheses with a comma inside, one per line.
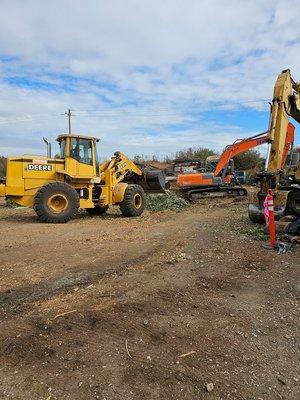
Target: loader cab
(80,155)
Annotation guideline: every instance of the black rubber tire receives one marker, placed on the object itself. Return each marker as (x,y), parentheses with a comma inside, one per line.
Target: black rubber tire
(97,210)
(45,214)
(242,192)
(293,203)
(256,219)
(129,206)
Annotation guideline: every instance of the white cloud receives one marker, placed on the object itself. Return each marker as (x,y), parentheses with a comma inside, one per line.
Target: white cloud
(144,65)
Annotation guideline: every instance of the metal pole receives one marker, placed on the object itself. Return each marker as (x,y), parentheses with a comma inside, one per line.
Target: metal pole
(48,147)
(69,119)
(269,134)
(69,115)
(268,157)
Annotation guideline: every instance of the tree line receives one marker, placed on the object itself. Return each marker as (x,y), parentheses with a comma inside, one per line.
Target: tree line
(244,161)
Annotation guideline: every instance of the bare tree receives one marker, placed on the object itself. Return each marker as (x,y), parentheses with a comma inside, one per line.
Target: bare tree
(199,154)
(247,160)
(2,166)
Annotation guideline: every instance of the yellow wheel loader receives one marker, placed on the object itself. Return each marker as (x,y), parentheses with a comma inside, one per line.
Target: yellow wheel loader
(280,175)
(57,187)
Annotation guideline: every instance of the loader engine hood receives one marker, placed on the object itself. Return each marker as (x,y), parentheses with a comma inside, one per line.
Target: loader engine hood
(25,174)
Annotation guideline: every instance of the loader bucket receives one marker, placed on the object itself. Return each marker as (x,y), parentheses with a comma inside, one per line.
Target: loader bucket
(154,181)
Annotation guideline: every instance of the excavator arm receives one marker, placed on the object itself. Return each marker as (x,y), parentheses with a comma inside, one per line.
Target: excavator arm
(238,147)
(288,146)
(244,145)
(285,105)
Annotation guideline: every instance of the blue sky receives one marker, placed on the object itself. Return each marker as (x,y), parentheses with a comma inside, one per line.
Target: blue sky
(147,77)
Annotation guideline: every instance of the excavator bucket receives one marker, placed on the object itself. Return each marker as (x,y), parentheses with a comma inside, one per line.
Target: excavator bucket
(256,209)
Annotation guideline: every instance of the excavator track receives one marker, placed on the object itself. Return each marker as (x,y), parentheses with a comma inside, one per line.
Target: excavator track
(218,191)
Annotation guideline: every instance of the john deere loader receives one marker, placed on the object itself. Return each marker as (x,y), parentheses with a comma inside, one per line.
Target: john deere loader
(57,187)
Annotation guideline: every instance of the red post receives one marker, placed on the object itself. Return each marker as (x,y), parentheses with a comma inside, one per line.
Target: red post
(272,230)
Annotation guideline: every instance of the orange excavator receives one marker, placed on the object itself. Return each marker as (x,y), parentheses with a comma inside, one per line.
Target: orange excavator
(222,181)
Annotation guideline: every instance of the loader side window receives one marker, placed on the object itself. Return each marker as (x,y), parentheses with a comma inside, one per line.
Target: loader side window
(62,146)
(81,150)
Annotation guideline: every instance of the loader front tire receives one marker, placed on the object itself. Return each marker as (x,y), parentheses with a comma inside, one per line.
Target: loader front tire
(133,203)
(56,203)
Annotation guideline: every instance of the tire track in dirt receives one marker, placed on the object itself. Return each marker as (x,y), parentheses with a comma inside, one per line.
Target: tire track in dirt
(192,285)
(17,301)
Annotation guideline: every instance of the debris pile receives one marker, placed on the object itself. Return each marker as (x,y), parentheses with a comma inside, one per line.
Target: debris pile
(288,233)
(166,201)
(287,226)
(5,202)
(290,230)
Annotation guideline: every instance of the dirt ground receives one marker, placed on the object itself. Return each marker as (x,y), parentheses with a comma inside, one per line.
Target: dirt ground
(156,307)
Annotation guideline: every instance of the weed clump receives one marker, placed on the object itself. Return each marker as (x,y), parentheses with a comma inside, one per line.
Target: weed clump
(9,203)
(255,232)
(166,201)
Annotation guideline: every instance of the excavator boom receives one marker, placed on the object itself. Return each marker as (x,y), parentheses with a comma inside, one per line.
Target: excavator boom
(277,176)
(285,103)
(288,146)
(238,147)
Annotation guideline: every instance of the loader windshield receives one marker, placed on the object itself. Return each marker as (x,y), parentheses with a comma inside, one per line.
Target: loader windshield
(81,150)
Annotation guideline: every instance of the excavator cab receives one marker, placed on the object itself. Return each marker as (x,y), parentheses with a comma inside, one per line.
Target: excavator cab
(212,162)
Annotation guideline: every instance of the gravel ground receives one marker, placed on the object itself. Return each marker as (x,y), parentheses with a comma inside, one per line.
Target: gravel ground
(167,306)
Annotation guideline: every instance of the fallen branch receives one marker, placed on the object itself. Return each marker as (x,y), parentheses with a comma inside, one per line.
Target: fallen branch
(187,354)
(126,346)
(65,313)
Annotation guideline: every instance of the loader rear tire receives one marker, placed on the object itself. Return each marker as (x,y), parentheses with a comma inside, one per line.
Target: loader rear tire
(56,203)
(133,203)
(97,210)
